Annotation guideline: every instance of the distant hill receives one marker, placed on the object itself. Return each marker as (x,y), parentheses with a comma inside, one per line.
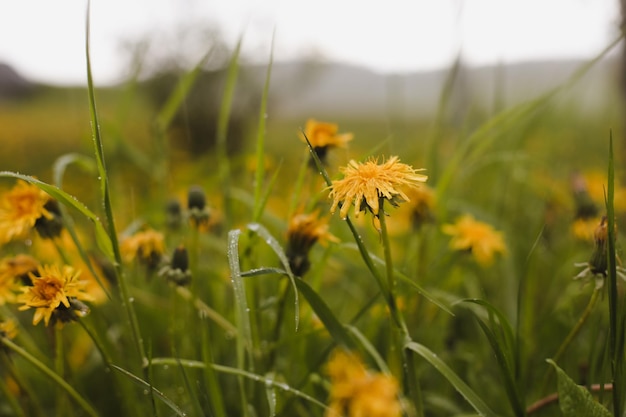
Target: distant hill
(12,84)
(334,90)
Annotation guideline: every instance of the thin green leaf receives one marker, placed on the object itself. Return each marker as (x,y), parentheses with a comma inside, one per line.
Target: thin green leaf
(239,372)
(260,142)
(335,328)
(171,404)
(243,320)
(509,338)
(470,396)
(278,250)
(616,309)
(575,400)
(380,362)
(270,393)
(60,165)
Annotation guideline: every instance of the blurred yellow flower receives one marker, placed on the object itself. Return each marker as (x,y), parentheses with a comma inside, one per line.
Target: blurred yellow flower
(365,183)
(477,237)
(8,329)
(324,135)
(303,232)
(54,291)
(584,228)
(20,208)
(422,205)
(356,392)
(12,271)
(147,247)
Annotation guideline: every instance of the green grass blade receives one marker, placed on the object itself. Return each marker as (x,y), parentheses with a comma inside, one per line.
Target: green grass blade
(616,310)
(214,390)
(222,130)
(324,313)
(60,165)
(241,373)
(370,348)
(260,143)
(278,250)
(102,237)
(106,198)
(171,404)
(60,381)
(241,300)
(470,396)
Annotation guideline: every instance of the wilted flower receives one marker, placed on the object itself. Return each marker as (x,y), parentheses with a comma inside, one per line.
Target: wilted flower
(20,208)
(479,238)
(56,294)
(177,271)
(14,271)
(323,136)
(303,231)
(364,184)
(357,392)
(596,268)
(196,204)
(173,214)
(8,329)
(147,247)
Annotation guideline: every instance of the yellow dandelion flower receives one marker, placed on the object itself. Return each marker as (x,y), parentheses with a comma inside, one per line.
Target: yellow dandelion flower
(53,291)
(8,329)
(147,247)
(422,204)
(303,232)
(364,184)
(357,392)
(584,228)
(477,237)
(20,208)
(324,135)
(12,271)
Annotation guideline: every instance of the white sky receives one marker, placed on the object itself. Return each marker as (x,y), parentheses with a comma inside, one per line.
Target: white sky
(44,39)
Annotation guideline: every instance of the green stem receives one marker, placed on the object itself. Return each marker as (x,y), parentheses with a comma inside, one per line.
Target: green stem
(571,335)
(59,366)
(50,374)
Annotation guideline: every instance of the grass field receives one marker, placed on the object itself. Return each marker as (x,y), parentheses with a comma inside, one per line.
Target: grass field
(137,279)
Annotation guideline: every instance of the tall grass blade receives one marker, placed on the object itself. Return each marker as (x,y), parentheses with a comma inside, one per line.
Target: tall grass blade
(470,396)
(241,301)
(222,130)
(616,310)
(260,142)
(278,250)
(146,386)
(106,196)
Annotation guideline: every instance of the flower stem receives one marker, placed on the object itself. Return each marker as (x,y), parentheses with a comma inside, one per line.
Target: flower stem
(575,330)
(51,374)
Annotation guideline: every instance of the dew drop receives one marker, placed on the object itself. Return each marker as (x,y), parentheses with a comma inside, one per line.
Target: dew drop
(131,300)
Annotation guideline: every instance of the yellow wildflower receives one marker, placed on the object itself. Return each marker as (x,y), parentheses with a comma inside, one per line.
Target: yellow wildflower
(55,293)
(8,329)
(422,201)
(303,231)
(356,392)
(477,237)
(364,184)
(584,228)
(324,135)
(20,208)
(12,270)
(147,246)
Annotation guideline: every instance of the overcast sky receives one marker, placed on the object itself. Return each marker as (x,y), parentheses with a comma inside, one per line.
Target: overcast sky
(44,39)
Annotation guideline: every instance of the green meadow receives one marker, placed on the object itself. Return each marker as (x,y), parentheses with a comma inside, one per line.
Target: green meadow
(150,269)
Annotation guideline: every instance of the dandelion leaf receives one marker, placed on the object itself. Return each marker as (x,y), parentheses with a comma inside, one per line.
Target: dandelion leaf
(575,400)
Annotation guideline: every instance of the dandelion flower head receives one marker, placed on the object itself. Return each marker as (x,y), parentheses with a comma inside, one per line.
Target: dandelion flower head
(20,208)
(481,239)
(12,271)
(325,135)
(357,392)
(52,288)
(365,183)
(147,246)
